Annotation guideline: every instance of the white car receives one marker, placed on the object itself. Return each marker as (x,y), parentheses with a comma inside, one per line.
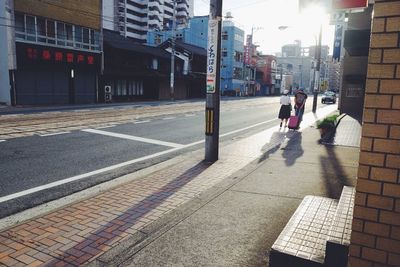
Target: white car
(329,97)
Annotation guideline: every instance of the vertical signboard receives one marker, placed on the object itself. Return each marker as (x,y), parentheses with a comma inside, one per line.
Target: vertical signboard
(337,45)
(212,55)
(348,4)
(247,50)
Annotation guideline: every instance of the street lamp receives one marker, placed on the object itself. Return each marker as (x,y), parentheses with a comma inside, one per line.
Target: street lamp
(317,70)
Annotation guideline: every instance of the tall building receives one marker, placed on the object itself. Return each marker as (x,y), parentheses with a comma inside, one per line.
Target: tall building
(134,18)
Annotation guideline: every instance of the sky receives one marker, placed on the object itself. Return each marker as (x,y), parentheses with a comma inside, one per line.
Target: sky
(265,17)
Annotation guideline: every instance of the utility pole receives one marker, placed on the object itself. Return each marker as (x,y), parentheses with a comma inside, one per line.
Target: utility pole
(213,81)
(172,76)
(317,71)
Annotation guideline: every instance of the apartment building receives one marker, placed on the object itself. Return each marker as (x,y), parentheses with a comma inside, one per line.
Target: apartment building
(134,18)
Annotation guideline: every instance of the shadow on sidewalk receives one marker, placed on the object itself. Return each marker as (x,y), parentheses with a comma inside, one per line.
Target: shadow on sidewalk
(271,147)
(96,242)
(293,148)
(334,174)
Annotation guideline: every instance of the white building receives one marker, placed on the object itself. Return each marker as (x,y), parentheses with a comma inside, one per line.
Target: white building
(134,18)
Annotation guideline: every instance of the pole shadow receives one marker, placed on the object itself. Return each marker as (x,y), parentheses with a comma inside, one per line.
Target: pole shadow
(92,245)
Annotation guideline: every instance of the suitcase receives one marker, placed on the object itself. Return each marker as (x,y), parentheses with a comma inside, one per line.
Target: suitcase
(293,122)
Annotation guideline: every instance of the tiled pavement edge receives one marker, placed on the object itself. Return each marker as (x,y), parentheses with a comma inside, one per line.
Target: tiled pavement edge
(83,231)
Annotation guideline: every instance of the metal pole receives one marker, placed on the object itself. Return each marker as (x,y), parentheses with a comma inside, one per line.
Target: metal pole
(172,78)
(213,81)
(317,70)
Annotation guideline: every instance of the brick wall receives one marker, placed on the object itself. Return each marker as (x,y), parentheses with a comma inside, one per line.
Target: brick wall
(375,239)
(80,12)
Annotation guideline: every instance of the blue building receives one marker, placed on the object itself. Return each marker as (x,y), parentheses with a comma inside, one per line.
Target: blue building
(232,49)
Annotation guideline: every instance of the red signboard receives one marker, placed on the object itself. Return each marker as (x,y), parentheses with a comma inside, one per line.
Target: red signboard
(348,4)
(57,56)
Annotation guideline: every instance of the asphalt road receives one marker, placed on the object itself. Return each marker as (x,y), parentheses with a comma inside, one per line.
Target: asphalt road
(38,169)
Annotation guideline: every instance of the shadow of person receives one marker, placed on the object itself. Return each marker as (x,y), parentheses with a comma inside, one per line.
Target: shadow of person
(277,139)
(292,149)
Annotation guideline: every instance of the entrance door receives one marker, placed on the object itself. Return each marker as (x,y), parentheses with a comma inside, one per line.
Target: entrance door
(84,86)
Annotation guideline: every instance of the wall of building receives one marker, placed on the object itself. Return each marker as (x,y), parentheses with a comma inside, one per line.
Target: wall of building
(375,239)
(4,78)
(84,12)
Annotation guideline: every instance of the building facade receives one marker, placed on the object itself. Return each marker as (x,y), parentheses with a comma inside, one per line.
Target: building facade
(134,18)
(375,238)
(232,50)
(58,52)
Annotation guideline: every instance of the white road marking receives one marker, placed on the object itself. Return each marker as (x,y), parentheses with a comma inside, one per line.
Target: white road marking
(169,118)
(190,115)
(2,141)
(138,122)
(104,127)
(309,119)
(51,134)
(134,138)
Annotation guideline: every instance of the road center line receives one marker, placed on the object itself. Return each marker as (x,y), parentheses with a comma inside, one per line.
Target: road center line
(309,116)
(134,138)
(169,118)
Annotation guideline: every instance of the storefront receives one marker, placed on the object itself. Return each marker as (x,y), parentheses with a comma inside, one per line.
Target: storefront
(55,76)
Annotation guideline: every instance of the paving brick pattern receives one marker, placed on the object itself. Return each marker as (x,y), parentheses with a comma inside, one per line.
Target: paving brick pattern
(83,231)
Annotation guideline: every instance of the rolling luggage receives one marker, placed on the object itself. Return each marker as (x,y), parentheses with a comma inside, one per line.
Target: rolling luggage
(293,122)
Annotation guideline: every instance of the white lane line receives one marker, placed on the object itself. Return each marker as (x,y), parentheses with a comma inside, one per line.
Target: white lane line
(190,115)
(2,141)
(126,163)
(169,118)
(82,176)
(104,127)
(51,134)
(138,122)
(134,138)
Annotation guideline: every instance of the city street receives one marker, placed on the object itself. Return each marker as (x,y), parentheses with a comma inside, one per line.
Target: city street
(66,151)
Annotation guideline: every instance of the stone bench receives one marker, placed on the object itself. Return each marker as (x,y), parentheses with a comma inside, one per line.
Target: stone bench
(317,234)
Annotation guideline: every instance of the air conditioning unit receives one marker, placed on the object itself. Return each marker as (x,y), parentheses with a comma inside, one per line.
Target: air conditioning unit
(107,89)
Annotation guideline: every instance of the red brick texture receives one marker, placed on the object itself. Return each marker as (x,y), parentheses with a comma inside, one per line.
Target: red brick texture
(375,237)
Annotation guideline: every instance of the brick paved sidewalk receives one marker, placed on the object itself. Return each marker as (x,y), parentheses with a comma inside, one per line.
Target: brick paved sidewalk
(81,232)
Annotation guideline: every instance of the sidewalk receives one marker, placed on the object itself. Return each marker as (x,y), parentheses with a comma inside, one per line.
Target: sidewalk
(191,213)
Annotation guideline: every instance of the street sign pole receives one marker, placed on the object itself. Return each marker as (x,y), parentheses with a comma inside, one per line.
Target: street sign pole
(317,72)
(213,81)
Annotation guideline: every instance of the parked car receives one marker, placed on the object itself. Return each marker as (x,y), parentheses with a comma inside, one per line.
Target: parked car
(329,97)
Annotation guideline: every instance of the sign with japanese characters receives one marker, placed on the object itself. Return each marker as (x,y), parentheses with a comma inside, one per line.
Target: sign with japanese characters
(212,55)
(348,4)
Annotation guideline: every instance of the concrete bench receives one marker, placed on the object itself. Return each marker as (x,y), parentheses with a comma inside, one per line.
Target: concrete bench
(317,234)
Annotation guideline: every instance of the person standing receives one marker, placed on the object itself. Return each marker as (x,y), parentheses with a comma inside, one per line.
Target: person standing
(299,103)
(286,108)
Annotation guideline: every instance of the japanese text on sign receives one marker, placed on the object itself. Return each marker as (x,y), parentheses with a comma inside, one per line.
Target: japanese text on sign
(212,55)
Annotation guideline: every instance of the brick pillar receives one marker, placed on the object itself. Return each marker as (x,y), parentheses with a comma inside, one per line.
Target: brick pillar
(375,239)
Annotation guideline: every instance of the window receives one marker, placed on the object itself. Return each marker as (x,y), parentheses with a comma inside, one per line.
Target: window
(51,31)
(237,73)
(85,37)
(78,36)
(224,52)
(238,56)
(61,36)
(41,29)
(225,35)
(20,26)
(69,35)
(30,28)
